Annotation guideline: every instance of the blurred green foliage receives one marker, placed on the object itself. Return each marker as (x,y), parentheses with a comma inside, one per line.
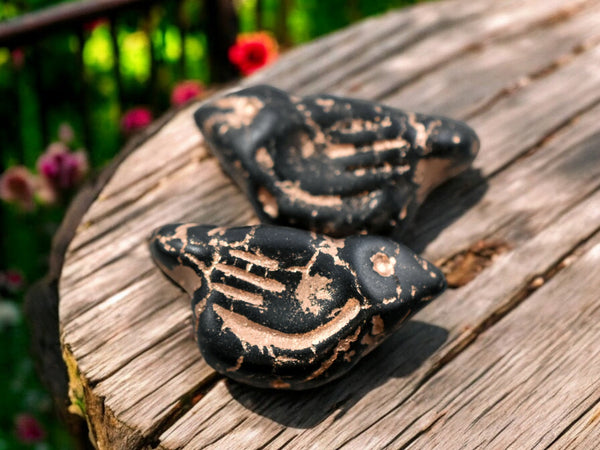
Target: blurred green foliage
(71,77)
(21,392)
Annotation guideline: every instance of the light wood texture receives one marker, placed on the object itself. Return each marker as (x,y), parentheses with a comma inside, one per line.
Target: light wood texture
(509,358)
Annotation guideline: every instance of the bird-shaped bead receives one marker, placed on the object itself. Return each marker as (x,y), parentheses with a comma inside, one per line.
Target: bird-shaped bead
(333,165)
(286,308)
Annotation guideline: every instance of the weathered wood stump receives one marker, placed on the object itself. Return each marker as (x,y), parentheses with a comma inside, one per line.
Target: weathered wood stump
(508,356)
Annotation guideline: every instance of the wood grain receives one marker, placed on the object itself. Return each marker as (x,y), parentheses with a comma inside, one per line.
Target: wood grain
(477,367)
(526,379)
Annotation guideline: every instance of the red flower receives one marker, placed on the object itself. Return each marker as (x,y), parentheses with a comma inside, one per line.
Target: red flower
(95,23)
(17,185)
(136,119)
(60,168)
(12,280)
(29,430)
(18,57)
(186,91)
(252,51)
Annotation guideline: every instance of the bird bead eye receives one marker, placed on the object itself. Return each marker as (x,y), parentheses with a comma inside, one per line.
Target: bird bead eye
(383,264)
(390,275)
(376,263)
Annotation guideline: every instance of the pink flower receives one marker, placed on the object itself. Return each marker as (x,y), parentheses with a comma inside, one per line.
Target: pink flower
(60,168)
(252,51)
(136,119)
(186,91)
(28,429)
(17,185)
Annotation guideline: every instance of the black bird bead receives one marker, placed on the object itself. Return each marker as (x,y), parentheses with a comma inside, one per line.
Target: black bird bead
(286,308)
(333,165)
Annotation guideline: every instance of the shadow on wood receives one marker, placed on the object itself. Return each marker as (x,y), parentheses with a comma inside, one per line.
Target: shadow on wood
(445,206)
(588,155)
(405,351)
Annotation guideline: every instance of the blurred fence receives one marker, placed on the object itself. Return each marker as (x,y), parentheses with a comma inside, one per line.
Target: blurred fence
(85,62)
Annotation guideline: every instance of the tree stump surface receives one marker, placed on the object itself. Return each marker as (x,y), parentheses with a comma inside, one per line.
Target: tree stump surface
(506,357)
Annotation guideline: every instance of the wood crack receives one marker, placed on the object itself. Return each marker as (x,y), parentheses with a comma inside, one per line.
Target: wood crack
(184,404)
(566,429)
(408,426)
(588,410)
(487,409)
(166,381)
(580,417)
(471,384)
(286,443)
(499,433)
(226,432)
(271,440)
(421,432)
(465,266)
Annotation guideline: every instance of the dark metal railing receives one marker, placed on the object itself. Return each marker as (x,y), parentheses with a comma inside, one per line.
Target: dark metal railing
(31,27)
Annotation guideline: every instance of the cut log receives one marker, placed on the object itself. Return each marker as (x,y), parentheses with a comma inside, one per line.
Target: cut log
(512,345)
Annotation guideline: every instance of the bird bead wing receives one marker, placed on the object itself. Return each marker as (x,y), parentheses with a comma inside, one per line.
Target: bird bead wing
(282,307)
(331,164)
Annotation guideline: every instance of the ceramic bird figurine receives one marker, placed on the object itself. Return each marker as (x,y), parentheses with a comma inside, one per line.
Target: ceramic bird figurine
(286,308)
(333,165)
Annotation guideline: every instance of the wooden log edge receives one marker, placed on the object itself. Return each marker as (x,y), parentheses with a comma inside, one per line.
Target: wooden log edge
(83,403)
(56,369)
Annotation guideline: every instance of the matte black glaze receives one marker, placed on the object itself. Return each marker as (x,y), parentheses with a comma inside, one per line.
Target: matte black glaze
(285,308)
(329,164)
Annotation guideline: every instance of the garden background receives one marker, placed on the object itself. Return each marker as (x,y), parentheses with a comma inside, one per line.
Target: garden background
(73,94)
